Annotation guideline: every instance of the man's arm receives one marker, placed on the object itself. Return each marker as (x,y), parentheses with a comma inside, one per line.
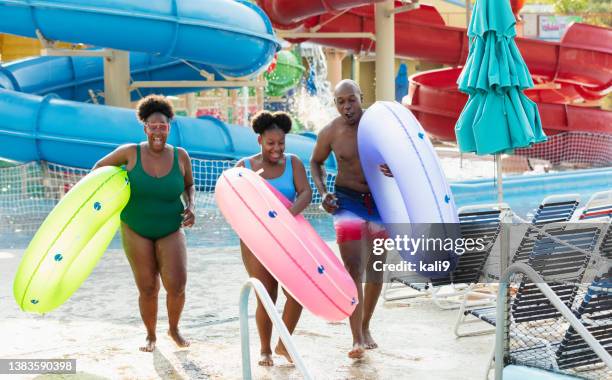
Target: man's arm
(320,153)
(302,187)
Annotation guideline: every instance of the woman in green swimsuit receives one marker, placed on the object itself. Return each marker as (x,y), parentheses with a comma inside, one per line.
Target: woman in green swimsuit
(151,222)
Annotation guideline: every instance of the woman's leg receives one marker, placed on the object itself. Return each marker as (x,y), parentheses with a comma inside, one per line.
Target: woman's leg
(264,324)
(291,316)
(171,255)
(140,252)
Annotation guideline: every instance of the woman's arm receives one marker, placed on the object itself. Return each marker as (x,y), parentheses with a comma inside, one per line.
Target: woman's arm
(118,157)
(302,187)
(189,194)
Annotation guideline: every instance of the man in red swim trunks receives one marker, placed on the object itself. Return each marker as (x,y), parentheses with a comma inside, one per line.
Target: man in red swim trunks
(356,218)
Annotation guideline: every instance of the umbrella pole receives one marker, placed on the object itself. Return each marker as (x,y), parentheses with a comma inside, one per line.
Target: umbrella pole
(500,188)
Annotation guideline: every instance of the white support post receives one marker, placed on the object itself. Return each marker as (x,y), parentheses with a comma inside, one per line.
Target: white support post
(117,79)
(259,93)
(191,104)
(356,68)
(334,59)
(385,50)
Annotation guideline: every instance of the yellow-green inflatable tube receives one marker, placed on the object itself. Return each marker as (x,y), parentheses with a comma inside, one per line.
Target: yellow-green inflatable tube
(71,240)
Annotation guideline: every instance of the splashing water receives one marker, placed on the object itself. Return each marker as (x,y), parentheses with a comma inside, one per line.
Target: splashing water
(314,110)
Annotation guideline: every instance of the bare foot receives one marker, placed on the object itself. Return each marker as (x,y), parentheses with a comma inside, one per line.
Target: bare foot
(369,342)
(150,346)
(178,338)
(357,352)
(281,350)
(266,360)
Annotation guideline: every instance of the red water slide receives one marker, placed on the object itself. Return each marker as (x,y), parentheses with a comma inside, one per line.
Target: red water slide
(289,14)
(437,102)
(578,67)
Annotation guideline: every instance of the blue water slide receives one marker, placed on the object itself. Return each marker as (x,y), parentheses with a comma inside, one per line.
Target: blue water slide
(202,31)
(75,78)
(77,134)
(226,38)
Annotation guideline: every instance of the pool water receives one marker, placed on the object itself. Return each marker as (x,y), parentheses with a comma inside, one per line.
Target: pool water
(522,193)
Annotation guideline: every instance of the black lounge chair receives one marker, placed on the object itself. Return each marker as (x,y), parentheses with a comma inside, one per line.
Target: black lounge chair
(476,222)
(554,209)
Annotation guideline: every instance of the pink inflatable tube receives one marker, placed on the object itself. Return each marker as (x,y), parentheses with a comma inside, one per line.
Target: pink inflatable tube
(287,246)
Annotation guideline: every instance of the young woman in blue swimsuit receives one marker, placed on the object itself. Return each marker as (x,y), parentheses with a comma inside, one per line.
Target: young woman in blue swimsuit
(286,173)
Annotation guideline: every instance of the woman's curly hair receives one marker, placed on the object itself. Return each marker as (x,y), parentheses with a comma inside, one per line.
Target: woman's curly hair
(266,120)
(151,104)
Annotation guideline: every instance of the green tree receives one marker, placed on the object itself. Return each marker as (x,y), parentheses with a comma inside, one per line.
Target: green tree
(571,6)
(598,12)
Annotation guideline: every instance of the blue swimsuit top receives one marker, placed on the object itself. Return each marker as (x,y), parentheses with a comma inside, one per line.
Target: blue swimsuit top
(283,183)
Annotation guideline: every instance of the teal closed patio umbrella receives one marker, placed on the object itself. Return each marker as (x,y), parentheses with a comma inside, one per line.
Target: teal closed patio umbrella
(497,117)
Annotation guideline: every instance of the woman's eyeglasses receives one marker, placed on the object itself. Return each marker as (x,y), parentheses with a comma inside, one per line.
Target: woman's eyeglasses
(161,127)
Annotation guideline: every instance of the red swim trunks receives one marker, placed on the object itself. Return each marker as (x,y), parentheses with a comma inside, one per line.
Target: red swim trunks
(356,216)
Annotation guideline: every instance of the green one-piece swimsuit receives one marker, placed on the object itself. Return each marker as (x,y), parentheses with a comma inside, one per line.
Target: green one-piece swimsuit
(154,209)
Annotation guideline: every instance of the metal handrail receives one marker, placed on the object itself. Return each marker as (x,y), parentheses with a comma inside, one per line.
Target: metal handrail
(277,322)
(554,300)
